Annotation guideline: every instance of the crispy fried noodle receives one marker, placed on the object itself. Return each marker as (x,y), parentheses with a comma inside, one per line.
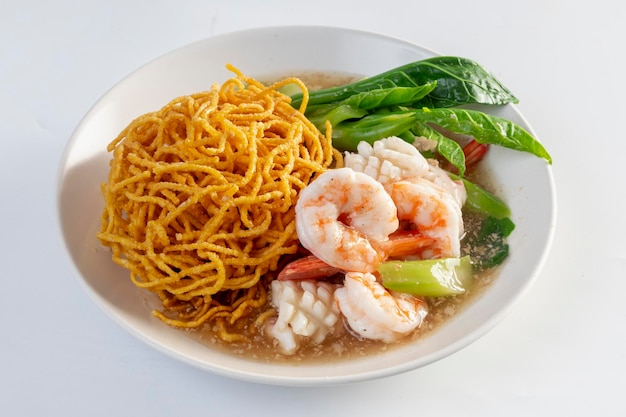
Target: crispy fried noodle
(200,198)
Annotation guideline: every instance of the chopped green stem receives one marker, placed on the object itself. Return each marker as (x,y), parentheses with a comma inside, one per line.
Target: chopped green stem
(348,134)
(429,278)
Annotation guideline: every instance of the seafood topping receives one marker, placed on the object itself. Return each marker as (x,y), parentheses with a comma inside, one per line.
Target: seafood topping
(388,202)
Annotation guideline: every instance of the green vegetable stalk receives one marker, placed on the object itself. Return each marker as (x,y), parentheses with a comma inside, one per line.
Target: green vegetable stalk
(429,278)
(482,201)
(347,134)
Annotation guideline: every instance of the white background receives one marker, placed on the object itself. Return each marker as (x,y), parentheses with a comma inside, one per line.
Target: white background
(562,350)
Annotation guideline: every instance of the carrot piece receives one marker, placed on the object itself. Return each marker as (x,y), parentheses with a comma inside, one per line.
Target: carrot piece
(474,152)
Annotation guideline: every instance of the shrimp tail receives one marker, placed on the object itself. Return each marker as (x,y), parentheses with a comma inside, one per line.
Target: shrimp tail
(400,244)
(406,243)
(309,267)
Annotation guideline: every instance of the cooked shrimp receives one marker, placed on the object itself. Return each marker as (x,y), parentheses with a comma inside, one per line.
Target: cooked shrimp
(343,216)
(373,312)
(400,244)
(434,211)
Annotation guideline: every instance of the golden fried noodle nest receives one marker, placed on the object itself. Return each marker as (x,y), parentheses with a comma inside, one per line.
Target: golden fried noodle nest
(200,198)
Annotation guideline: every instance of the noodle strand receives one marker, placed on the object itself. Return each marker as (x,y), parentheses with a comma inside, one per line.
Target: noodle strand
(199,203)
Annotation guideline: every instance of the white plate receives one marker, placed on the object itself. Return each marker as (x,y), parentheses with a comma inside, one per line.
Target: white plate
(526,183)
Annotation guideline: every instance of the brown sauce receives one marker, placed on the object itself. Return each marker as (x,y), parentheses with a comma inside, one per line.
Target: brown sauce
(342,345)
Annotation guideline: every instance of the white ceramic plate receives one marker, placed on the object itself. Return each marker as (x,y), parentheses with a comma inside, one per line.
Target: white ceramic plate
(526,183)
